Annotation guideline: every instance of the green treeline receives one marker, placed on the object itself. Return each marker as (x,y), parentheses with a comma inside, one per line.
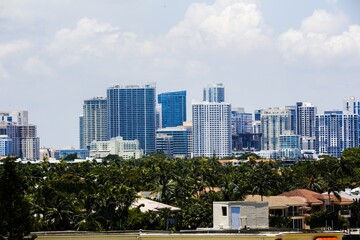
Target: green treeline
(97,196)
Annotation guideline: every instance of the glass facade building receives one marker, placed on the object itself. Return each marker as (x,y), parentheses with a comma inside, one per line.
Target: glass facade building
(241,122)
(173,108)
(5,145)
(274,122)
(181,138)
(290,146)
(80,153)
(131,114)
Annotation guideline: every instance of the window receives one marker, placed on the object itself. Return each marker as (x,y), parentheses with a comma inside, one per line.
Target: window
(224,211)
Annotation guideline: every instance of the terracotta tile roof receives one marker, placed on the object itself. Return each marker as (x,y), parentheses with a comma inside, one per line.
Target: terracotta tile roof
(276,202)
(312,198)
(315,198)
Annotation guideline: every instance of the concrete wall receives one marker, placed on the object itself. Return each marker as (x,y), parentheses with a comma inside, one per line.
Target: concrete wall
(253,215)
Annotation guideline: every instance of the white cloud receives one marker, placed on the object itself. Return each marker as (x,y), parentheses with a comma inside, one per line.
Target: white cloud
(229,24)
(322,21)
(35,65)
(319,44)
(13,47)
(226,25)
(92,39)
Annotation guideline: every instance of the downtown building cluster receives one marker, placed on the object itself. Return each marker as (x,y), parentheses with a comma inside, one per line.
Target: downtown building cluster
(17,137)
(132,121)
(141,122)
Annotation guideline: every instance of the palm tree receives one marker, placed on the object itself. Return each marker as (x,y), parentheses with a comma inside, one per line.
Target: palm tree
(263,179)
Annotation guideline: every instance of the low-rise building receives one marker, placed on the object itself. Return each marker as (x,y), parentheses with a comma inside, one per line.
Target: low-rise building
(240,214)
(63,153)
(291,207)
(126,149)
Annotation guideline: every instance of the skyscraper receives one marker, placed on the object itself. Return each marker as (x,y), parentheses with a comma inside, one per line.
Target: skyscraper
(293,120)
(81,132)
(19,117)
(350,130)
(241,122)
(94,121)
(21,135)
(274,122)
(26,144)
(306,124)
(352,106)
(211,129)
(329,133)
(173,107)
(131,114)
(336,131)
(214,93)
(5,145)
(305,114)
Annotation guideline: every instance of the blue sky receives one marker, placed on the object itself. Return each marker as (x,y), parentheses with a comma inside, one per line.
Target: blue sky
(268,53)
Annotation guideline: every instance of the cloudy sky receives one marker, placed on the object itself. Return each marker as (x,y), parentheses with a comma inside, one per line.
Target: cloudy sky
(267,53)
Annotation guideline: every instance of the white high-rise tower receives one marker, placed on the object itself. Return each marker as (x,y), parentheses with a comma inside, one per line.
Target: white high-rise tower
(211,129)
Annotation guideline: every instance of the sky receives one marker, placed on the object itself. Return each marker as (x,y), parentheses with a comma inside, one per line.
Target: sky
(267,53)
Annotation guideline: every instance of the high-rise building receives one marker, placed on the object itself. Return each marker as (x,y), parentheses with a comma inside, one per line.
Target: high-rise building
(241,122)
(257,115)
(246,142)
(131,114)
(293,120)
(306,119)
(214,93)
(329,133)
(336,131)
(350,130)
(274,122)
(290,145)
(5,145)
(181,140)
(352,106)
(26,144)
(158,116)
(19,117)
(81,132)
(211,129)
(306,124)
(165,144)
(94,121)
(173,107)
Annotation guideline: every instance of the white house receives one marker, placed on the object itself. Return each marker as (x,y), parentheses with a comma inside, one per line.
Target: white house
(239,214)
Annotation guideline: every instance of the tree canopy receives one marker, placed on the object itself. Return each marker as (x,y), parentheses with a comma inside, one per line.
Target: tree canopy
(97,196)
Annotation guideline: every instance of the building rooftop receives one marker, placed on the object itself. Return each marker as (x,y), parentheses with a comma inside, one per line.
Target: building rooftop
(277,202)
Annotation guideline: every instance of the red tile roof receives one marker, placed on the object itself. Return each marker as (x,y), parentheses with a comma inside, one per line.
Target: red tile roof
(315,198)
(312,198)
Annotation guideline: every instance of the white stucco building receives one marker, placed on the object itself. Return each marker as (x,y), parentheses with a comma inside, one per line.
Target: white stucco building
(126,149)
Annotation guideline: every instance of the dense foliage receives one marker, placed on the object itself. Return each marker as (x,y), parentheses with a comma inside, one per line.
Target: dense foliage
(97,196)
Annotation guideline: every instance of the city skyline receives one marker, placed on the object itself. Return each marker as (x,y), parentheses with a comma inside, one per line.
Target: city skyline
(265,57)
